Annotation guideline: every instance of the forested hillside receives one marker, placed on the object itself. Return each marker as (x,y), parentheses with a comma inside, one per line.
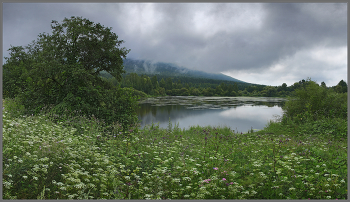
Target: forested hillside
(169,69)
(161,84)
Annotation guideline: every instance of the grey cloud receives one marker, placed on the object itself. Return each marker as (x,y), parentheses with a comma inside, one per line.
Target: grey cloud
(211,37)
(23,22)
(299,27)
(286,29)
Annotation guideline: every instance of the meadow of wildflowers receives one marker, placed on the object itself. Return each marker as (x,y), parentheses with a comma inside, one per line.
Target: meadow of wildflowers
(46,160)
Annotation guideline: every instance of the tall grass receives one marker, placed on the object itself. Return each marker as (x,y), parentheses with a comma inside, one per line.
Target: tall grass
(80,160)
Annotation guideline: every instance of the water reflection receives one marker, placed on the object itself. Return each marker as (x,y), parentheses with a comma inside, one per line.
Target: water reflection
(240,114)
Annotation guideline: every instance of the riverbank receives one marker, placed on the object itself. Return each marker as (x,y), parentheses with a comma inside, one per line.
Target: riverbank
(46,160)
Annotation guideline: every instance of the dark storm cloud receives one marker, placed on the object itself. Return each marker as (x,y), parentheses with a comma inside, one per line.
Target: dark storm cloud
(188,34)
(254,42)
(296,26)
(22,22)
(285,29)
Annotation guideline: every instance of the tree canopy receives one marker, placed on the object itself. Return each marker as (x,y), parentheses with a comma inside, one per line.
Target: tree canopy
(62,69)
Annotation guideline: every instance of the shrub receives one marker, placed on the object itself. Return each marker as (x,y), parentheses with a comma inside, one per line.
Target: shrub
(314,102)
(109,106)
(13,107)
(316,110)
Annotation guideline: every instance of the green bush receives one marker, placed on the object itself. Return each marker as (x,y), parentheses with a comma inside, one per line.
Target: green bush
(316,110)
(314,102)
(12,108)
(108,106)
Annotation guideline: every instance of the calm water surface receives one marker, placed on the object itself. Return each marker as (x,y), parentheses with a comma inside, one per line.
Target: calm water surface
(239,113)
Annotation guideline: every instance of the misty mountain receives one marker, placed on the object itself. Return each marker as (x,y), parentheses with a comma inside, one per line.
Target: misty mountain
(168,69)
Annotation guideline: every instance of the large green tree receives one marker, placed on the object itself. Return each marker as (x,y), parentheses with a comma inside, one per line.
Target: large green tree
(341,87)
(168,84)
(62,69)
(14,70)
(154,80)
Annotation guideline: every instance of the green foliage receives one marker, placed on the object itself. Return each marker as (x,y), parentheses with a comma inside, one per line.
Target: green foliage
(61,72)
(233,94)
(172,83)
(341,87)
(161,84)
(330,128)
(168,84)
(314,102)
(171,70)
(14,71)
(195,92)
(46,160)
(315,109)
(110,106)
(235,87)
(146,84)
(137,93)
(154,82)
(12,107)
(269,91)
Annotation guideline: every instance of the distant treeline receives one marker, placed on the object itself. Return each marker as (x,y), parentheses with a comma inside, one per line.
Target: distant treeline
(158,85)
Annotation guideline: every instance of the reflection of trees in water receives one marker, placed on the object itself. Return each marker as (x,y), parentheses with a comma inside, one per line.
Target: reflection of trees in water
(176,107)
(193,100)
(270,104)
(163,112)
(201,108)
(173,111)
(147,108)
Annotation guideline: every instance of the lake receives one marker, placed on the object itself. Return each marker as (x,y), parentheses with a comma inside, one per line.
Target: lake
(239,113)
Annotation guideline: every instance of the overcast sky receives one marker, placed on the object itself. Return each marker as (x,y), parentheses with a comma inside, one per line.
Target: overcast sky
(263,43)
